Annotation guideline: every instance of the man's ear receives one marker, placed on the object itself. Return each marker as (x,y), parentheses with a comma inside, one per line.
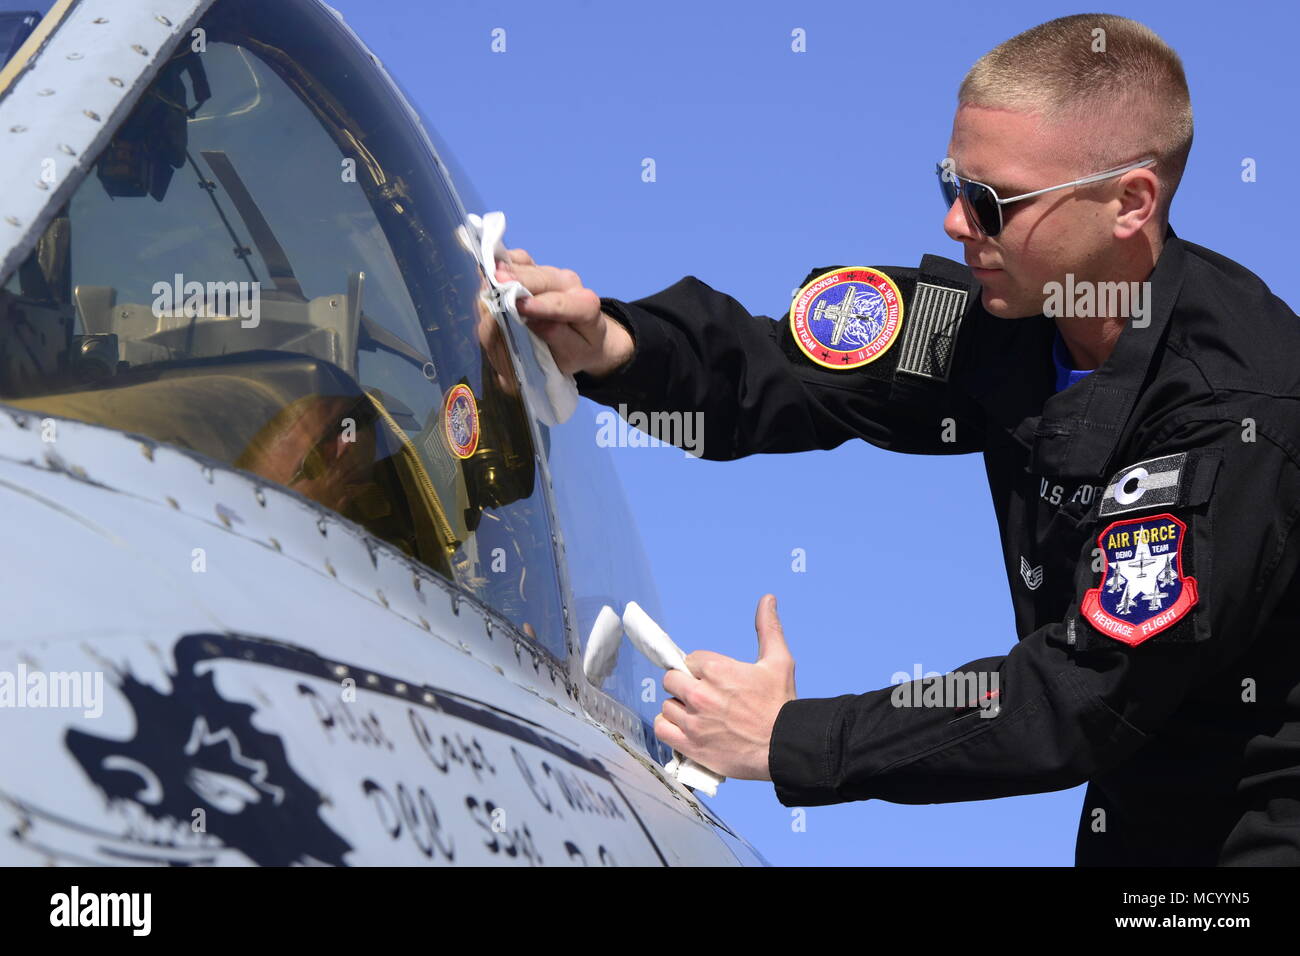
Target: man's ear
(1139,200)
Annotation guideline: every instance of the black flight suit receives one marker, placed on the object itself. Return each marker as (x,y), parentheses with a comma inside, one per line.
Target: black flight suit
(1189,738)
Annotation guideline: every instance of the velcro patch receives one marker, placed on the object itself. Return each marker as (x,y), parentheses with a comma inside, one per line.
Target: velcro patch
(847,317)
(1143,589)
(1154,483)
(931,334)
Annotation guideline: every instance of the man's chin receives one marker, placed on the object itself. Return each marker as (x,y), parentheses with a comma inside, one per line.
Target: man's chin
(1001,307)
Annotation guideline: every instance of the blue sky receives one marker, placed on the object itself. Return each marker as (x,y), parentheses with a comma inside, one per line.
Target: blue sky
(770,163)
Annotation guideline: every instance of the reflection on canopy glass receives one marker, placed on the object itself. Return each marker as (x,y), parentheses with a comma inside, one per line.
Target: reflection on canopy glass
(264,267)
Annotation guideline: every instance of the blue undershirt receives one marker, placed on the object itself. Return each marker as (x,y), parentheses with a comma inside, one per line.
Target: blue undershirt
(1065,375)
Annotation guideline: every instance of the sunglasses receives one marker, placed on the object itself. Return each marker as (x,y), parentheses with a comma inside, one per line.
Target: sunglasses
(981,202)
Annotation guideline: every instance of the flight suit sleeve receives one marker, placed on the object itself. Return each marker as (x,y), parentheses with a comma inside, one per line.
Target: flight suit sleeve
(1190,551)
(699,351)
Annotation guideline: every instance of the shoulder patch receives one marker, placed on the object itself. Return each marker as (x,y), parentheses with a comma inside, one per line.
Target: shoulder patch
(1169,481)
(1153,483)
(931,335)
(847,317)
(1143,590)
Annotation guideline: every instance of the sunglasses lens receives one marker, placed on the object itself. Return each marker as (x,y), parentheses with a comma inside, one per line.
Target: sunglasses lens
(947,187)
(978,202)
(982,208)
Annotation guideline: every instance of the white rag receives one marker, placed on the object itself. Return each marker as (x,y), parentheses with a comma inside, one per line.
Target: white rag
(554,398)
(652,641)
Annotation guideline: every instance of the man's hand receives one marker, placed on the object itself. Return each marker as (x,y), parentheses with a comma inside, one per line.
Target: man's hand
(567,317)
(722,717)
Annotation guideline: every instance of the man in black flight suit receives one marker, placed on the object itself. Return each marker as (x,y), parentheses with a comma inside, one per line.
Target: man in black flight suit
(1136,398)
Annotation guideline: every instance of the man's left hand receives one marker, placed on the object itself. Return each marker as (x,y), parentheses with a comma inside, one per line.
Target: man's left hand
(721,715)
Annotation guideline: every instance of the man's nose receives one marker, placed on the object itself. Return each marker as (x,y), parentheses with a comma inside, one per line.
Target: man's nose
(957,225)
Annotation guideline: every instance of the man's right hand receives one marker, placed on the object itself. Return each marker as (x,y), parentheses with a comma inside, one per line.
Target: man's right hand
(567,317)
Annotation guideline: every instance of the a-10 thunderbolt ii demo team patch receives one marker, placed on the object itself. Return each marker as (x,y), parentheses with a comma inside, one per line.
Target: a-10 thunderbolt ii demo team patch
(1143,590)
(847,317)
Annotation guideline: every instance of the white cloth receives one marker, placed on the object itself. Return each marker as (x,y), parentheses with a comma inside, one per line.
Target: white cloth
(553,398)
(652,641)
(601,656)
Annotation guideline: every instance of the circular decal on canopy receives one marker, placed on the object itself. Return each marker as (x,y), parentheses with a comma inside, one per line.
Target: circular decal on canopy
(460,421)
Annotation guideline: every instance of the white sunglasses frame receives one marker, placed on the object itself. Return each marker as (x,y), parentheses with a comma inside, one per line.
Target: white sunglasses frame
(1096,177)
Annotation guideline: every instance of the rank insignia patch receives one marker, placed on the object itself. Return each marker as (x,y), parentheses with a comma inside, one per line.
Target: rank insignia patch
(1143,590)
(847,317)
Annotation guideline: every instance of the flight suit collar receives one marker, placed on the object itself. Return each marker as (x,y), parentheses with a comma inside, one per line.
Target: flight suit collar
(1074,432)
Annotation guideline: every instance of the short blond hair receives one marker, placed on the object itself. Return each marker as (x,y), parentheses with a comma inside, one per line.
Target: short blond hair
(1100,68)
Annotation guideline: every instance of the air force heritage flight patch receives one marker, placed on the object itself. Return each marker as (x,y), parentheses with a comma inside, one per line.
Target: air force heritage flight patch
(847,317)
(1143,589)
